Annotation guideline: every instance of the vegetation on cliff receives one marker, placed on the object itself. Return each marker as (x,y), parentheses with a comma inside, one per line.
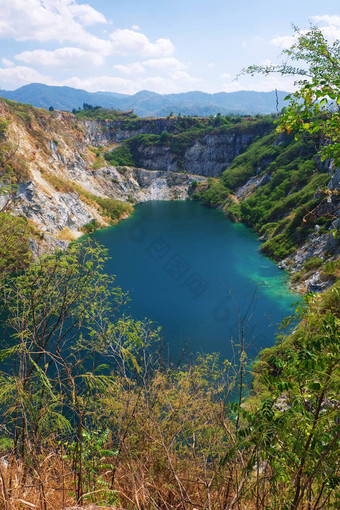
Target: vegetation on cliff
(14,232)
(42,154)
(185,132)
(281,181)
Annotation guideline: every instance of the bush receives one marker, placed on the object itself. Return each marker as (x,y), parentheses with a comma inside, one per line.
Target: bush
(121,156)
(313,263)
(90,227)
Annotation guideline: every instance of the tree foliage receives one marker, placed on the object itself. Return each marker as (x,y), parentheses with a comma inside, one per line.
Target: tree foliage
(293,427)
(315,106)
(62,313)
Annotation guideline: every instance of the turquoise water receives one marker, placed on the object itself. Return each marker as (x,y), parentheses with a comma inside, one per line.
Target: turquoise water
(195,273)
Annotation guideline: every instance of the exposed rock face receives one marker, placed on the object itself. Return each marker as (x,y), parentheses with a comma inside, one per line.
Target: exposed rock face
(213,154)
(52,213)
(63,168)
(59,214)
(108,132)
(55,149)
(317,283)
(208,156)
(251,185)
(142,185)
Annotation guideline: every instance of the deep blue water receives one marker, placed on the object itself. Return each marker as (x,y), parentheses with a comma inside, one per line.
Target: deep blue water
(194,272)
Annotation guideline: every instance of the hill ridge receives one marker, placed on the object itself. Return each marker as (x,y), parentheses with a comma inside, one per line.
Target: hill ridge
(146,103)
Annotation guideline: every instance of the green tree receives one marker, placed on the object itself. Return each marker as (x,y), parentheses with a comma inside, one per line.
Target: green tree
(63,312)
(291,434)
(315,106)
(14,244)
(164,138)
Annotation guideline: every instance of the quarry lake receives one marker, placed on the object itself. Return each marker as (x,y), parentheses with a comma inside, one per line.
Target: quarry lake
(199,276)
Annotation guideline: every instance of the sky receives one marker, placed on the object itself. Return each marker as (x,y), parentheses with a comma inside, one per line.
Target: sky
(165,46)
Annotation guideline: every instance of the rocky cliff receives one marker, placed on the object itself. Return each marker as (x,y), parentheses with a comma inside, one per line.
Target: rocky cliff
(180,145)
(61,174)
(60,177)
(320,244)
(106,132)
(208,156)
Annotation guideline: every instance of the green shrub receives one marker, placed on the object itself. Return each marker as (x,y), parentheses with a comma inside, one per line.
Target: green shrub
(121,156)
(90,227)
(312,263)
(215,195)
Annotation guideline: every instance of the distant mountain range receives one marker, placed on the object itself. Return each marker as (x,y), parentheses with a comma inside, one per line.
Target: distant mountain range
(147,103)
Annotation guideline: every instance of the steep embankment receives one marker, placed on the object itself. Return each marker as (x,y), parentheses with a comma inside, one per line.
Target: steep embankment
(63,184)
(76,172)
(280,188)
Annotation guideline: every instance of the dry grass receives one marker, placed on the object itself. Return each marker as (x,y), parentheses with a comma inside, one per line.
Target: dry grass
(45,486)
(57,182)
(139,484)
(110,209)
(66,235)
(99,163)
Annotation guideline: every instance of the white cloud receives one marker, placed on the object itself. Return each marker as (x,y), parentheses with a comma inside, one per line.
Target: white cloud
(184,77)
(172,82)
(168,64)
(329,20)
(125,42)
(232,87)
(85,14)
(7,63)
(283,42)
(104,82)
(225,76)
(17,76)
(170,68)
(133,68)
(65,20)
(330,26)
(46,20)
(123,85)
(62,58)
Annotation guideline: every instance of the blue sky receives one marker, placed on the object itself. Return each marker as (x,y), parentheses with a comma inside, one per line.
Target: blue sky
(160,45)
